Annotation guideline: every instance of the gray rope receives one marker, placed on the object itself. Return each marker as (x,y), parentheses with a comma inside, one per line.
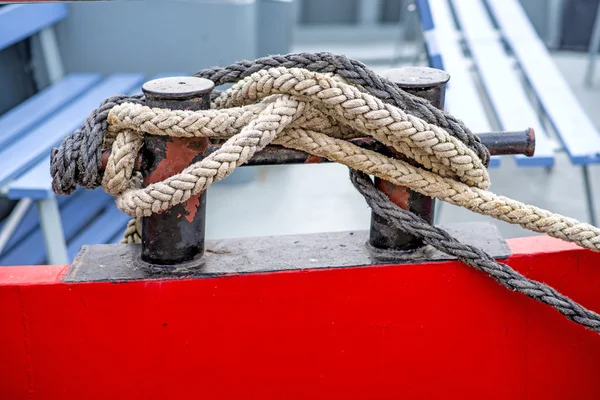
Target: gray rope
(357,73)
(477,258)
(78,159)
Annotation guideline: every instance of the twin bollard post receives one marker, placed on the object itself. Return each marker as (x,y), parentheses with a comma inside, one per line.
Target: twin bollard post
(429,84)
(176,235)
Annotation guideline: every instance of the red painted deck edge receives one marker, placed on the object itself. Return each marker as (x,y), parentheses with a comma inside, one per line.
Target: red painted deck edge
(32,275)
(45,274)
(540,244)
(438,330)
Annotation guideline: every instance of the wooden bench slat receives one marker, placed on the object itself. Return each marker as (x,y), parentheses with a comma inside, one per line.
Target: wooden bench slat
(507,95)
(21,155)
(19,21)
(110,224)
(35,184)
(74,216)
(462,96)
(574,128)
(40,106)
(107,227)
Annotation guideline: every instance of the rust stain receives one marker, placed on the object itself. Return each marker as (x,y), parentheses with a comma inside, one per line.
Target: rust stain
(191,206)
(179,154)
(397,194)
(530,143)
(313,160)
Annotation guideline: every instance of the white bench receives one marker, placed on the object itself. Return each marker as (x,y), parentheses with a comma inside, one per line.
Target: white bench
(503,75)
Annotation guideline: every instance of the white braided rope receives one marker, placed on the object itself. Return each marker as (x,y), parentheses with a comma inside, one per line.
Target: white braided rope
(314,113)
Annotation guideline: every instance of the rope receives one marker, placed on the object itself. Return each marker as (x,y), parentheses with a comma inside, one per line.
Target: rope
(85,145)
(79,156)
(453,172)
(357,73)
(444,242)
(316,112)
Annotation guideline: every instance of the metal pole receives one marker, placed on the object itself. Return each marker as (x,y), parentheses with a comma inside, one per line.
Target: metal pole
(175,235)
(498,143)
(430,84)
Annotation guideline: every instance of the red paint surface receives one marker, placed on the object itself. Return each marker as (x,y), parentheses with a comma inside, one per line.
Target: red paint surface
(43,274)
(439,330)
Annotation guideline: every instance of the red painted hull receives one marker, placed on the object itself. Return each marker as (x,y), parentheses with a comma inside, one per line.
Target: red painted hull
(439,330)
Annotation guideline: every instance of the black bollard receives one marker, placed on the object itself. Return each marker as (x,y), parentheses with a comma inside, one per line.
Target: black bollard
(430,84)
(176,235)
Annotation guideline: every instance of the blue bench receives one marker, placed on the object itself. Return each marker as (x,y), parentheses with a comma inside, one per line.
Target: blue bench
(502,76)
(54,230)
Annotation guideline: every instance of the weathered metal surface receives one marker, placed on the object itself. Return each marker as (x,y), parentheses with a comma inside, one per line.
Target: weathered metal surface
(505,143)
(425,82)
(269,254)
(175,235)
(498,143)
(429,84)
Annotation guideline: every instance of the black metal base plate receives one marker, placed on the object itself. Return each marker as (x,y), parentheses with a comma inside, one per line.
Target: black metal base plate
(268,254)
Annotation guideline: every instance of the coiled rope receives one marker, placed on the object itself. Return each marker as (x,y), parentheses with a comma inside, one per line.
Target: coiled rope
(317,112)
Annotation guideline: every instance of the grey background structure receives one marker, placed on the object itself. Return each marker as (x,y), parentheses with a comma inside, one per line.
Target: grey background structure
(184,36)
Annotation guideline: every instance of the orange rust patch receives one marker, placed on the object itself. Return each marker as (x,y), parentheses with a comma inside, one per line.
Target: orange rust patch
(397,194)
(191,206)
(313,159)
(179,155)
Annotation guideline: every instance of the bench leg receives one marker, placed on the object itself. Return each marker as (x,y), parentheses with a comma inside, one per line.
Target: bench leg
(593,50)
(13,220)
(438,212)
(589,195)
(51,55)
(556,11)
(54,238)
